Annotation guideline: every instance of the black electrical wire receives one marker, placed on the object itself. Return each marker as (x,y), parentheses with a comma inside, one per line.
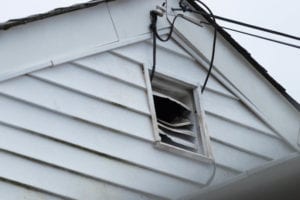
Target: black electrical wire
(154,14)
(213,46)
(240,23)
(171,29)
(261,37)
(255,35)
(154,55)
(257,27)
(153,27)
(155,35)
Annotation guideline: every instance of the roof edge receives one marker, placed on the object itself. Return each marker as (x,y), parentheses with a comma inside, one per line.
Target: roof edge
(248,57)
(58,11)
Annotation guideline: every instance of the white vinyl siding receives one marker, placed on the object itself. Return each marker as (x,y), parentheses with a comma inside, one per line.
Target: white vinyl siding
(85,126)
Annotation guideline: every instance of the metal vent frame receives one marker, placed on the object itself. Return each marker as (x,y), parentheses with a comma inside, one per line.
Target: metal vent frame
(203,150)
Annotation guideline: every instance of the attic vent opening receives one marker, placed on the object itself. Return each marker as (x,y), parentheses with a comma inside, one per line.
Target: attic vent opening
(178,118)
(174,121)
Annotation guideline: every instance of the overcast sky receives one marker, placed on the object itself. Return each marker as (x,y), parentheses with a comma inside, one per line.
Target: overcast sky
(283,63)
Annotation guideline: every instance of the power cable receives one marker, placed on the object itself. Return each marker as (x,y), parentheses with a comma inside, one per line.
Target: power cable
(213,174)
(257,27)
(213,46)
(153,26)
(238,22)
(213,23)
(261,37)
(255,35)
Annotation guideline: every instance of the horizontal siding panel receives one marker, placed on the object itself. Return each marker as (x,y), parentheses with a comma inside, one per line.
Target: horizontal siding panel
(97,85)
(13,191)
(74,104)
(246,138)
(173,47)
(40,118)
(114,66)
(235,158)
(184,68)
(223,174)
(100,140)
(89,164)
(233,110)
(60,182)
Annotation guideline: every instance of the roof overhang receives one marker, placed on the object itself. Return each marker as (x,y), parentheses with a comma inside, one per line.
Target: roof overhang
(277,180)
(58,11)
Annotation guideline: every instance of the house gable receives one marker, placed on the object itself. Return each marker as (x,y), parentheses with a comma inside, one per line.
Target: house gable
(96,108)
(81,113)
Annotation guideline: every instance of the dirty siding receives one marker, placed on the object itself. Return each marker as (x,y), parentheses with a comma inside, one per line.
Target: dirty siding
(87,123)
(82,129)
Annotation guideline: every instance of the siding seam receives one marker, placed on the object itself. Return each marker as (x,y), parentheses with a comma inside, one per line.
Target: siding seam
(148,42)
(30,187)
(267,158)
(86,67)
(99,153)
(74,117)
(45,80)
(242,124)
(223,94)
(77,173)
(145,64)
(234,170)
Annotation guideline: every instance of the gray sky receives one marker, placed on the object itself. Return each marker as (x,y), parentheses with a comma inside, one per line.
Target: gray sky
(283,63)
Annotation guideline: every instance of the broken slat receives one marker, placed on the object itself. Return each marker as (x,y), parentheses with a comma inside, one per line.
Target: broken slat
(183,123)
(169,139)
(177,130)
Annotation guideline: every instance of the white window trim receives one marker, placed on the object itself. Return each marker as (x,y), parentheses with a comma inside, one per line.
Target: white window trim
(207,155)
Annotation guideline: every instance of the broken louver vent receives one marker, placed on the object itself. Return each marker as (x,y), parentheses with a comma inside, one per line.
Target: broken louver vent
(175,123)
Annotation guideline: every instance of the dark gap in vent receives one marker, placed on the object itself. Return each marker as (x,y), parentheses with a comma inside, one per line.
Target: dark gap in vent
(180,133)
(168,140)
(174,122)
(169,110)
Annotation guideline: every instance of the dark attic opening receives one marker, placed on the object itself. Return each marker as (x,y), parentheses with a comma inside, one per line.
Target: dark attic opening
(175,114)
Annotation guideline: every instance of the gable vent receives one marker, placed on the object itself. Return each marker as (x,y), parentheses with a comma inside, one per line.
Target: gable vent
(174,122)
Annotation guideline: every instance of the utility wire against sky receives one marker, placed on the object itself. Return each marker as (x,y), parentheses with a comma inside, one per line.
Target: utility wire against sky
(257,27)
(249,26)
(212,22)
(262,37)
(257,36)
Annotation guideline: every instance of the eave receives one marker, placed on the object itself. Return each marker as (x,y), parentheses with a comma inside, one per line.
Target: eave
(276,180)
(58,11)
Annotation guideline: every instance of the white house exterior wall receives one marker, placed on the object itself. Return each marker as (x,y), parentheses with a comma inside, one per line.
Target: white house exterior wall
(73,117)
(75,120)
